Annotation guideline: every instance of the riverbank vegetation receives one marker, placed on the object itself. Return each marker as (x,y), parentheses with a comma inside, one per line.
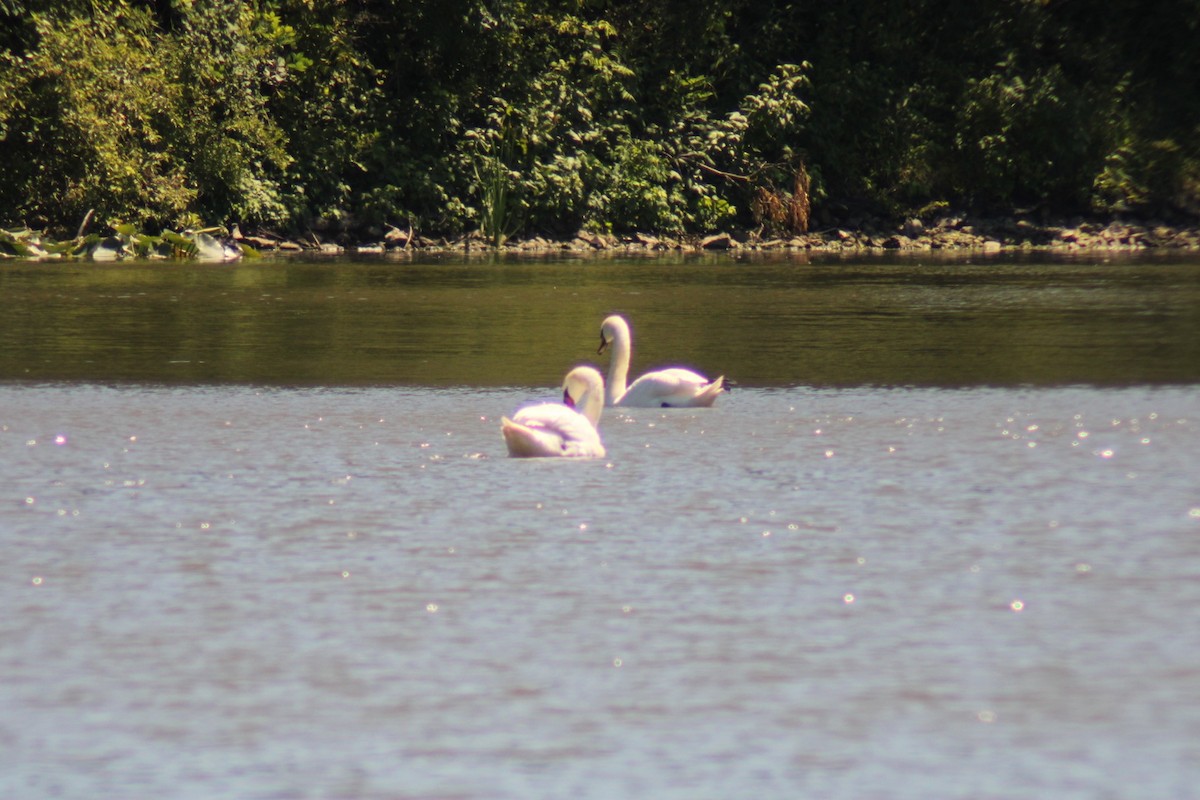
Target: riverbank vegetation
(326,120)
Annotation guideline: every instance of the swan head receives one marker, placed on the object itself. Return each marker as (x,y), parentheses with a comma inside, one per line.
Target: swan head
(583,390)
(613,328)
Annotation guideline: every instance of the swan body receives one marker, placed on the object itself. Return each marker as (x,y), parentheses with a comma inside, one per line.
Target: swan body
(668,388)
(565,430)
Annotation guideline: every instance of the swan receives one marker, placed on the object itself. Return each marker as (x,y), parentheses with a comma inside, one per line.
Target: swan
(558,429)
(668,388)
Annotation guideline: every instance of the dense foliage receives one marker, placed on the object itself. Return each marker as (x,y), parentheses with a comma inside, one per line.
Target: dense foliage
(553,115)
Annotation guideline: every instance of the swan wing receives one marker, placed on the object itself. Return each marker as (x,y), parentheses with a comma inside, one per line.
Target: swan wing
(550,430)
(672,388)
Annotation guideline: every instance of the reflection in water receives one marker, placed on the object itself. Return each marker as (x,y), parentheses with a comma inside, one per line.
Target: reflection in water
(524,323)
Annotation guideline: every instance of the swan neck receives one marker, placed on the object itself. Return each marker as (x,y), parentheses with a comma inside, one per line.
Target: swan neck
(618,366)
(586,387)
(593,406)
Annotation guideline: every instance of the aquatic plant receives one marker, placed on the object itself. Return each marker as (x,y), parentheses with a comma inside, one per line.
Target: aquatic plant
(124,241)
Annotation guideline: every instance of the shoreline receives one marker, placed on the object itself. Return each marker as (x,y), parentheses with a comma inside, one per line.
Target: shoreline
(948,235)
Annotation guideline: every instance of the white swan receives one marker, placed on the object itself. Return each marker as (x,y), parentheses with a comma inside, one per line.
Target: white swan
(558,429)
(668,388)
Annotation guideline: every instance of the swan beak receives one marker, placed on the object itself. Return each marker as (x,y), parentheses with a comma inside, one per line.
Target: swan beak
(568,401)
(603,344)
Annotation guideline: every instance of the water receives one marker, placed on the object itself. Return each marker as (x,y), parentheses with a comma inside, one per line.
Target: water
(844,589)
(827,323)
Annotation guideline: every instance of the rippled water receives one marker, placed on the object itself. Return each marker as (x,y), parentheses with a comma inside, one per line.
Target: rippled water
(986,590)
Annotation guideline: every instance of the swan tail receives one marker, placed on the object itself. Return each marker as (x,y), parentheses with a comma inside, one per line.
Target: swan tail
(532,441)
(708,395)
(526,442)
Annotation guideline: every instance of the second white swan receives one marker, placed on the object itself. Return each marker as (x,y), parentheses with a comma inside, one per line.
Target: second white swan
(566,429)
(668,388)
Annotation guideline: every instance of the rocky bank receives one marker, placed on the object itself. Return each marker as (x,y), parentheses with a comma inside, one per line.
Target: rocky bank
(946,234)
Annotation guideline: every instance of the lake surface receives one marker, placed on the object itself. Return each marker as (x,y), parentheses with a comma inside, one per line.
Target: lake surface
(261,539)
(521,323)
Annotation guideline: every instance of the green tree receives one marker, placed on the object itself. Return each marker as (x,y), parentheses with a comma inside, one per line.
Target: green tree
(551,115)
(82,123)
(227,59)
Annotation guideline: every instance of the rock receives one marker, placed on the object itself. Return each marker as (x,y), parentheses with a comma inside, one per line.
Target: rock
(108,249)
(210,248)
(1115,233)
(958,238)
(592,240)
(719,241)
(992,246)
(394,237)
(913,228)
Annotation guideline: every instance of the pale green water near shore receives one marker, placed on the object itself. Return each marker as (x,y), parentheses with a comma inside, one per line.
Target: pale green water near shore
(261,539)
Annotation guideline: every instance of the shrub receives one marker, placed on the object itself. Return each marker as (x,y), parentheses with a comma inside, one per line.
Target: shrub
(85,119)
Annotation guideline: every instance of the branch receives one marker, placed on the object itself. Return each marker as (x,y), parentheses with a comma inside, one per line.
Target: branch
(731,176)
(83,225)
